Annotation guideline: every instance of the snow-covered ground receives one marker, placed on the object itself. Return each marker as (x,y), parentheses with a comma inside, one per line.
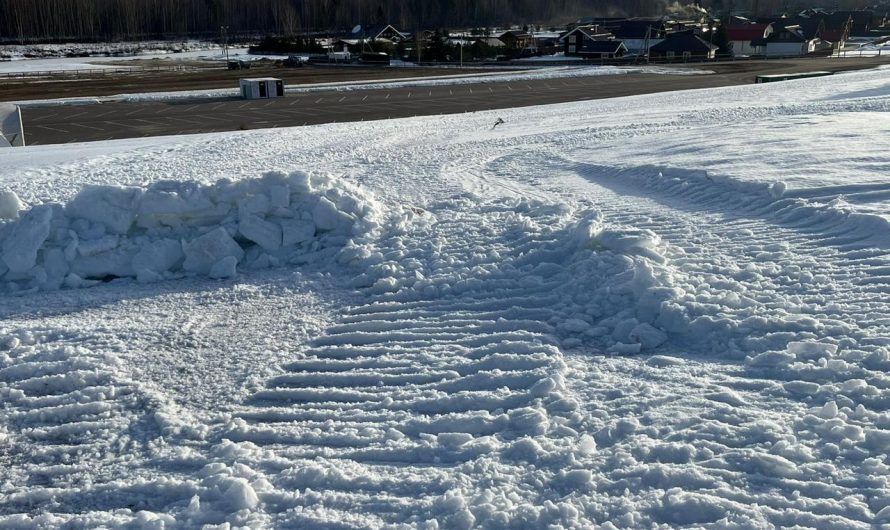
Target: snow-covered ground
(18,64)
(657,311)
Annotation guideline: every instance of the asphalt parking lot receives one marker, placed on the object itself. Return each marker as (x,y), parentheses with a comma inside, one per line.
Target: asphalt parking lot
(65,124)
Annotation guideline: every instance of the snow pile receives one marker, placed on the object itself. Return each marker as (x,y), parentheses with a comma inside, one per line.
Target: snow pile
(175,228)
(618,294)
(600,286)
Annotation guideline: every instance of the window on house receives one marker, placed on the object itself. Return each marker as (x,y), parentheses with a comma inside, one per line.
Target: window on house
(687,55)
(572,39)
(669,55)
(572,48)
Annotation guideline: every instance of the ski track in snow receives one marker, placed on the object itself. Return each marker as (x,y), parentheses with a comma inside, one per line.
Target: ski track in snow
(579,322)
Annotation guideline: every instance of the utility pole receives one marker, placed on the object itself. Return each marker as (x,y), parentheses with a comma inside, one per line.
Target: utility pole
(419,37)
(224,32)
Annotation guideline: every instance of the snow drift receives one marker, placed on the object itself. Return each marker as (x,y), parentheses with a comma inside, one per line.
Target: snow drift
(171,229)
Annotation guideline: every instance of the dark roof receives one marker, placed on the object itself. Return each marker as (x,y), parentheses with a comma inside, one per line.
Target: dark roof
(683,42)
(837,21)
(811,27)
(807,27)
(517,34)
(780,33)
(746,32)
(637,28)
(589,21)
(591,32)
(859,17)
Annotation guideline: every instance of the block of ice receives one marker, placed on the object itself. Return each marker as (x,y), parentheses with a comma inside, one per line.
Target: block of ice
(255,204)
(296,231)
(113,206)
(224,268)
(648,336)
(113,263)
(174,198)
(56,267)
(92,247)
(260,231)
(27,236)
(206,251)
(279,196)
(158,256)
(328,217)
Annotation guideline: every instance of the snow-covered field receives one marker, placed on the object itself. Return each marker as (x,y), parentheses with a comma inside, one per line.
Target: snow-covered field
(658,311)
(15,63)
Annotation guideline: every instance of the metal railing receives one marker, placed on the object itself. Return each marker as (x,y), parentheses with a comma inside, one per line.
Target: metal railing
(97,71)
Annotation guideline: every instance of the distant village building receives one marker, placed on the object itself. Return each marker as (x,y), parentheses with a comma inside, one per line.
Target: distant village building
(638,35)
(743,35)
(493,42)
(837,28)
(378,32)
(785,38)
(516,40)
(860,22)
(593,43)
(686,46)
(603,49)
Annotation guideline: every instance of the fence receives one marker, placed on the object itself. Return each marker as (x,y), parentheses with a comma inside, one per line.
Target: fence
(92,72)
(642,60)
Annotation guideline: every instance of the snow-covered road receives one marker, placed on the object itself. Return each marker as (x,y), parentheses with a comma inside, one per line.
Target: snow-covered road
(660,310)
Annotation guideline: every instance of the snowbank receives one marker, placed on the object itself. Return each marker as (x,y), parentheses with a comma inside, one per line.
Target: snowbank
(171,229)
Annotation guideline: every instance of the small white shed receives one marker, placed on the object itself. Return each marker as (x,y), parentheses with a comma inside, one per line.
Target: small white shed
(262,88)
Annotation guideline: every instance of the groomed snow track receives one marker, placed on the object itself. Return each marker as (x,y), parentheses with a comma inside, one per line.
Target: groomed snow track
(589,321)
(389,416)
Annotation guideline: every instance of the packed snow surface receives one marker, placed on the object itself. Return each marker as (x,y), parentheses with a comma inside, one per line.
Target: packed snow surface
(663,311)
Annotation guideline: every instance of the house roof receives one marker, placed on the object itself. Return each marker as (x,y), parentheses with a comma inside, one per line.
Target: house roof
(863,17)
(683,42)
(637,28)
(789,33)
(808,27)
(591,32)
(746,32)
(589,21)
(837,21)
(515,34)
(491,41)
(374,31)
(603,46)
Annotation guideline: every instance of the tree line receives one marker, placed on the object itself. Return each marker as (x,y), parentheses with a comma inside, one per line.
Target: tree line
(34,20)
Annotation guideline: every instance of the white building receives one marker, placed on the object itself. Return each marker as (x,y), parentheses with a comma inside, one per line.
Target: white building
(262,88)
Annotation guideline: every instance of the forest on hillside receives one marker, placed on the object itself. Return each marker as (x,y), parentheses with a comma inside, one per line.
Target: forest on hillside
(131,19)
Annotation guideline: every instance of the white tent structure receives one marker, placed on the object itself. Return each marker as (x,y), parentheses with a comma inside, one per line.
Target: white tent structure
(262,88)
(12,134)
